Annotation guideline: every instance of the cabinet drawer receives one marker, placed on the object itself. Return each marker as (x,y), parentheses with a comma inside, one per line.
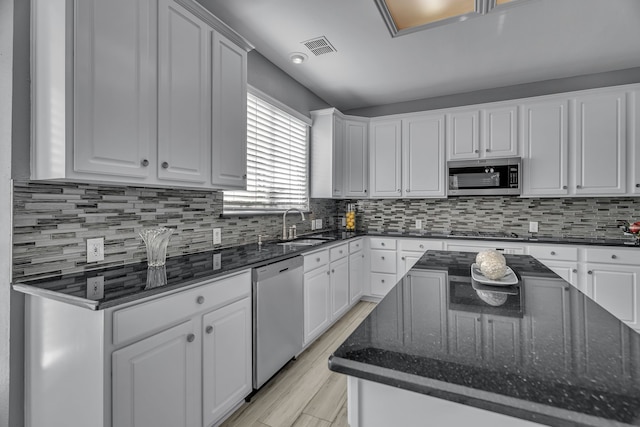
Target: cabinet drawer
(382,243)
(418,245)
(355,246)
(382,283)
(139,320)
(613,255)
(383,261)
(339,252)
(560,253)
(315,260)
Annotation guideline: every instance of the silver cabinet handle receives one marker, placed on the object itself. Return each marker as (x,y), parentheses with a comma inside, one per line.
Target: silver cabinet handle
(488,150)
(144,162)
(564,187)
(209,329)
(365,191)
(382,244)
(402,258)
(614,256)
(637,185)
(421,246)
(553,253)
(382,257)
(332,270)
(328,272)
(578,186)
(200,300)
(478,319)
(476,151)
(165,165)
(589,272)
(574,271)
(191,338)
(382,281)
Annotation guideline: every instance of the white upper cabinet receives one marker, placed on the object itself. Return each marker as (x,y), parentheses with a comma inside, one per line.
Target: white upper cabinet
(229,114)
(545,136)
(327,154)
(356,158)
(113,90)
(600,143)
(184,94)
(633,126)
(480,133)
(385,161)
(423,160)
(138,108)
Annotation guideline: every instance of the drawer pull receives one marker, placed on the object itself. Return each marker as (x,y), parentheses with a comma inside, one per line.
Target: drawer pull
(382,281)
(564,187)
(476,151)
(614,256)
(589,272)
(382,257)
(382,244)
(553,252)
(578,186)
(332,270)
(191,338)
(209,329)
(574,270)
(200,300)
(421,246)
(402,258)
(637,185)
(165,165)
(145,162)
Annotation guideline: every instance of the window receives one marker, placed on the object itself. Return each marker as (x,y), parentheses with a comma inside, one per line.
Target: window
(277,144)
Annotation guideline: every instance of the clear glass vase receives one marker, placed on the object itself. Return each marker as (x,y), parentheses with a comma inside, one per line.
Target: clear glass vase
(156,240)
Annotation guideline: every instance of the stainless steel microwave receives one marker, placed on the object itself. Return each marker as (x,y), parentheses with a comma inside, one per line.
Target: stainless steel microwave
(485,177)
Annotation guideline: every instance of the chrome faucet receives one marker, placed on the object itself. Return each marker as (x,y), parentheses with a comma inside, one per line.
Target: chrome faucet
(284,221)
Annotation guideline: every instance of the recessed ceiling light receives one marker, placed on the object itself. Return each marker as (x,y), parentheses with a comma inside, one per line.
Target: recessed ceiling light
(297,57)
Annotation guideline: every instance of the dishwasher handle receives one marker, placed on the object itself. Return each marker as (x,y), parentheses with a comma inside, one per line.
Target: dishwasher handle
(276,268)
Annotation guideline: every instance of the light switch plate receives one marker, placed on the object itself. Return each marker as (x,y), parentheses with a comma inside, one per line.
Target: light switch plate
(533,226)
(95,287)
(95,249)
(217,236)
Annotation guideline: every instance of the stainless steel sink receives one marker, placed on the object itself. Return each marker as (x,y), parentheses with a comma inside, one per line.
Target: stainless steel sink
(303,242)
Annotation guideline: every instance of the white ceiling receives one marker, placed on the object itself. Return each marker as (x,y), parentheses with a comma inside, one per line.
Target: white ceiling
(536,40)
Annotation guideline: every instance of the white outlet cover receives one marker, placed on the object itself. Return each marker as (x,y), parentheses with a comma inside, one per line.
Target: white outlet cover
(217,236)
(318,224)
(217,261)
(95,288)
(533,226)
(419,224)
(95,249)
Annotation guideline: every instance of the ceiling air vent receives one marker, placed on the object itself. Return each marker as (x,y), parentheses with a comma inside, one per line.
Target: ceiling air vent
(319,46)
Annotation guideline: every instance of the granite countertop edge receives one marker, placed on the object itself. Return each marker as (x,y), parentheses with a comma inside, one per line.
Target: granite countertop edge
(518,408)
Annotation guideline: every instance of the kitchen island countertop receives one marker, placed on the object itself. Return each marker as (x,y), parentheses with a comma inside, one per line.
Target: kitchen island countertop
(545,352)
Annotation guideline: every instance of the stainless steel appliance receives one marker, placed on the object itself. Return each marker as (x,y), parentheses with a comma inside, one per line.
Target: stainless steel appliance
(485,177)
(277,317)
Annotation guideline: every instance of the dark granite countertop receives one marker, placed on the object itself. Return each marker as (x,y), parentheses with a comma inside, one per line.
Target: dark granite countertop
(130,282)
(548,353)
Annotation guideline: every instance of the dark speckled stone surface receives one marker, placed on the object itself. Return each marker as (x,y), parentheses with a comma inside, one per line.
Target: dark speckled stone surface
(549,354)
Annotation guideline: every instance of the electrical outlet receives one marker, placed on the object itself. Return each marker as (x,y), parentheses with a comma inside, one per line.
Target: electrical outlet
(217,261)
(533,226)
(217,236)
(344,222)
(95,288)
(319,224)
(95,249)
(419,224)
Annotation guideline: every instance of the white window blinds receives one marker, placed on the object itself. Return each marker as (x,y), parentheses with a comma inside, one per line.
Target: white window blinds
(276,161)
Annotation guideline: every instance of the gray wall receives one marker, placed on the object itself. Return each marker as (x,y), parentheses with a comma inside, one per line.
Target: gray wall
(265,76)
(547,87)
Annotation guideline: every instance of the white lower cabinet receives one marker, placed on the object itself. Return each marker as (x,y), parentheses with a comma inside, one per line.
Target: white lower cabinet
(317,303)
(356,274)
(166,362)
(411,250)
(339,287)
(179,360)
(562,260)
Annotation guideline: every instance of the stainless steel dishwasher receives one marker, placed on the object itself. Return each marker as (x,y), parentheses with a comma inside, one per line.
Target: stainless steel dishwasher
(277,317)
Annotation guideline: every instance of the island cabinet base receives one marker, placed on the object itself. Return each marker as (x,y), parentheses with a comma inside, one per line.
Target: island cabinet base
(372,404)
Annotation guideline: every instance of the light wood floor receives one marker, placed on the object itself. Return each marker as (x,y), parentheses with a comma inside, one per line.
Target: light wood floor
(305,393)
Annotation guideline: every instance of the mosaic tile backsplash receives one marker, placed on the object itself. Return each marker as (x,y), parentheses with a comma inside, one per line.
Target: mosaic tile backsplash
(557,217)
(53,220)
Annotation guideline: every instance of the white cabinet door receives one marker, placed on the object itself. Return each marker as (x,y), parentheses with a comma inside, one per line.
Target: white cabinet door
(548,348)
(463,135)
(423,159)
(114,88)
(501,339)
(317,303)
(226,359)
(567,270)
(634,140)
(339,287)
(356,276)
(385,159)
(546,148)
(600,144)
(617,289)
(156,381)
(500,131)
(229,114)
(465,336)
(184,95)
(338,157)
(356,155)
